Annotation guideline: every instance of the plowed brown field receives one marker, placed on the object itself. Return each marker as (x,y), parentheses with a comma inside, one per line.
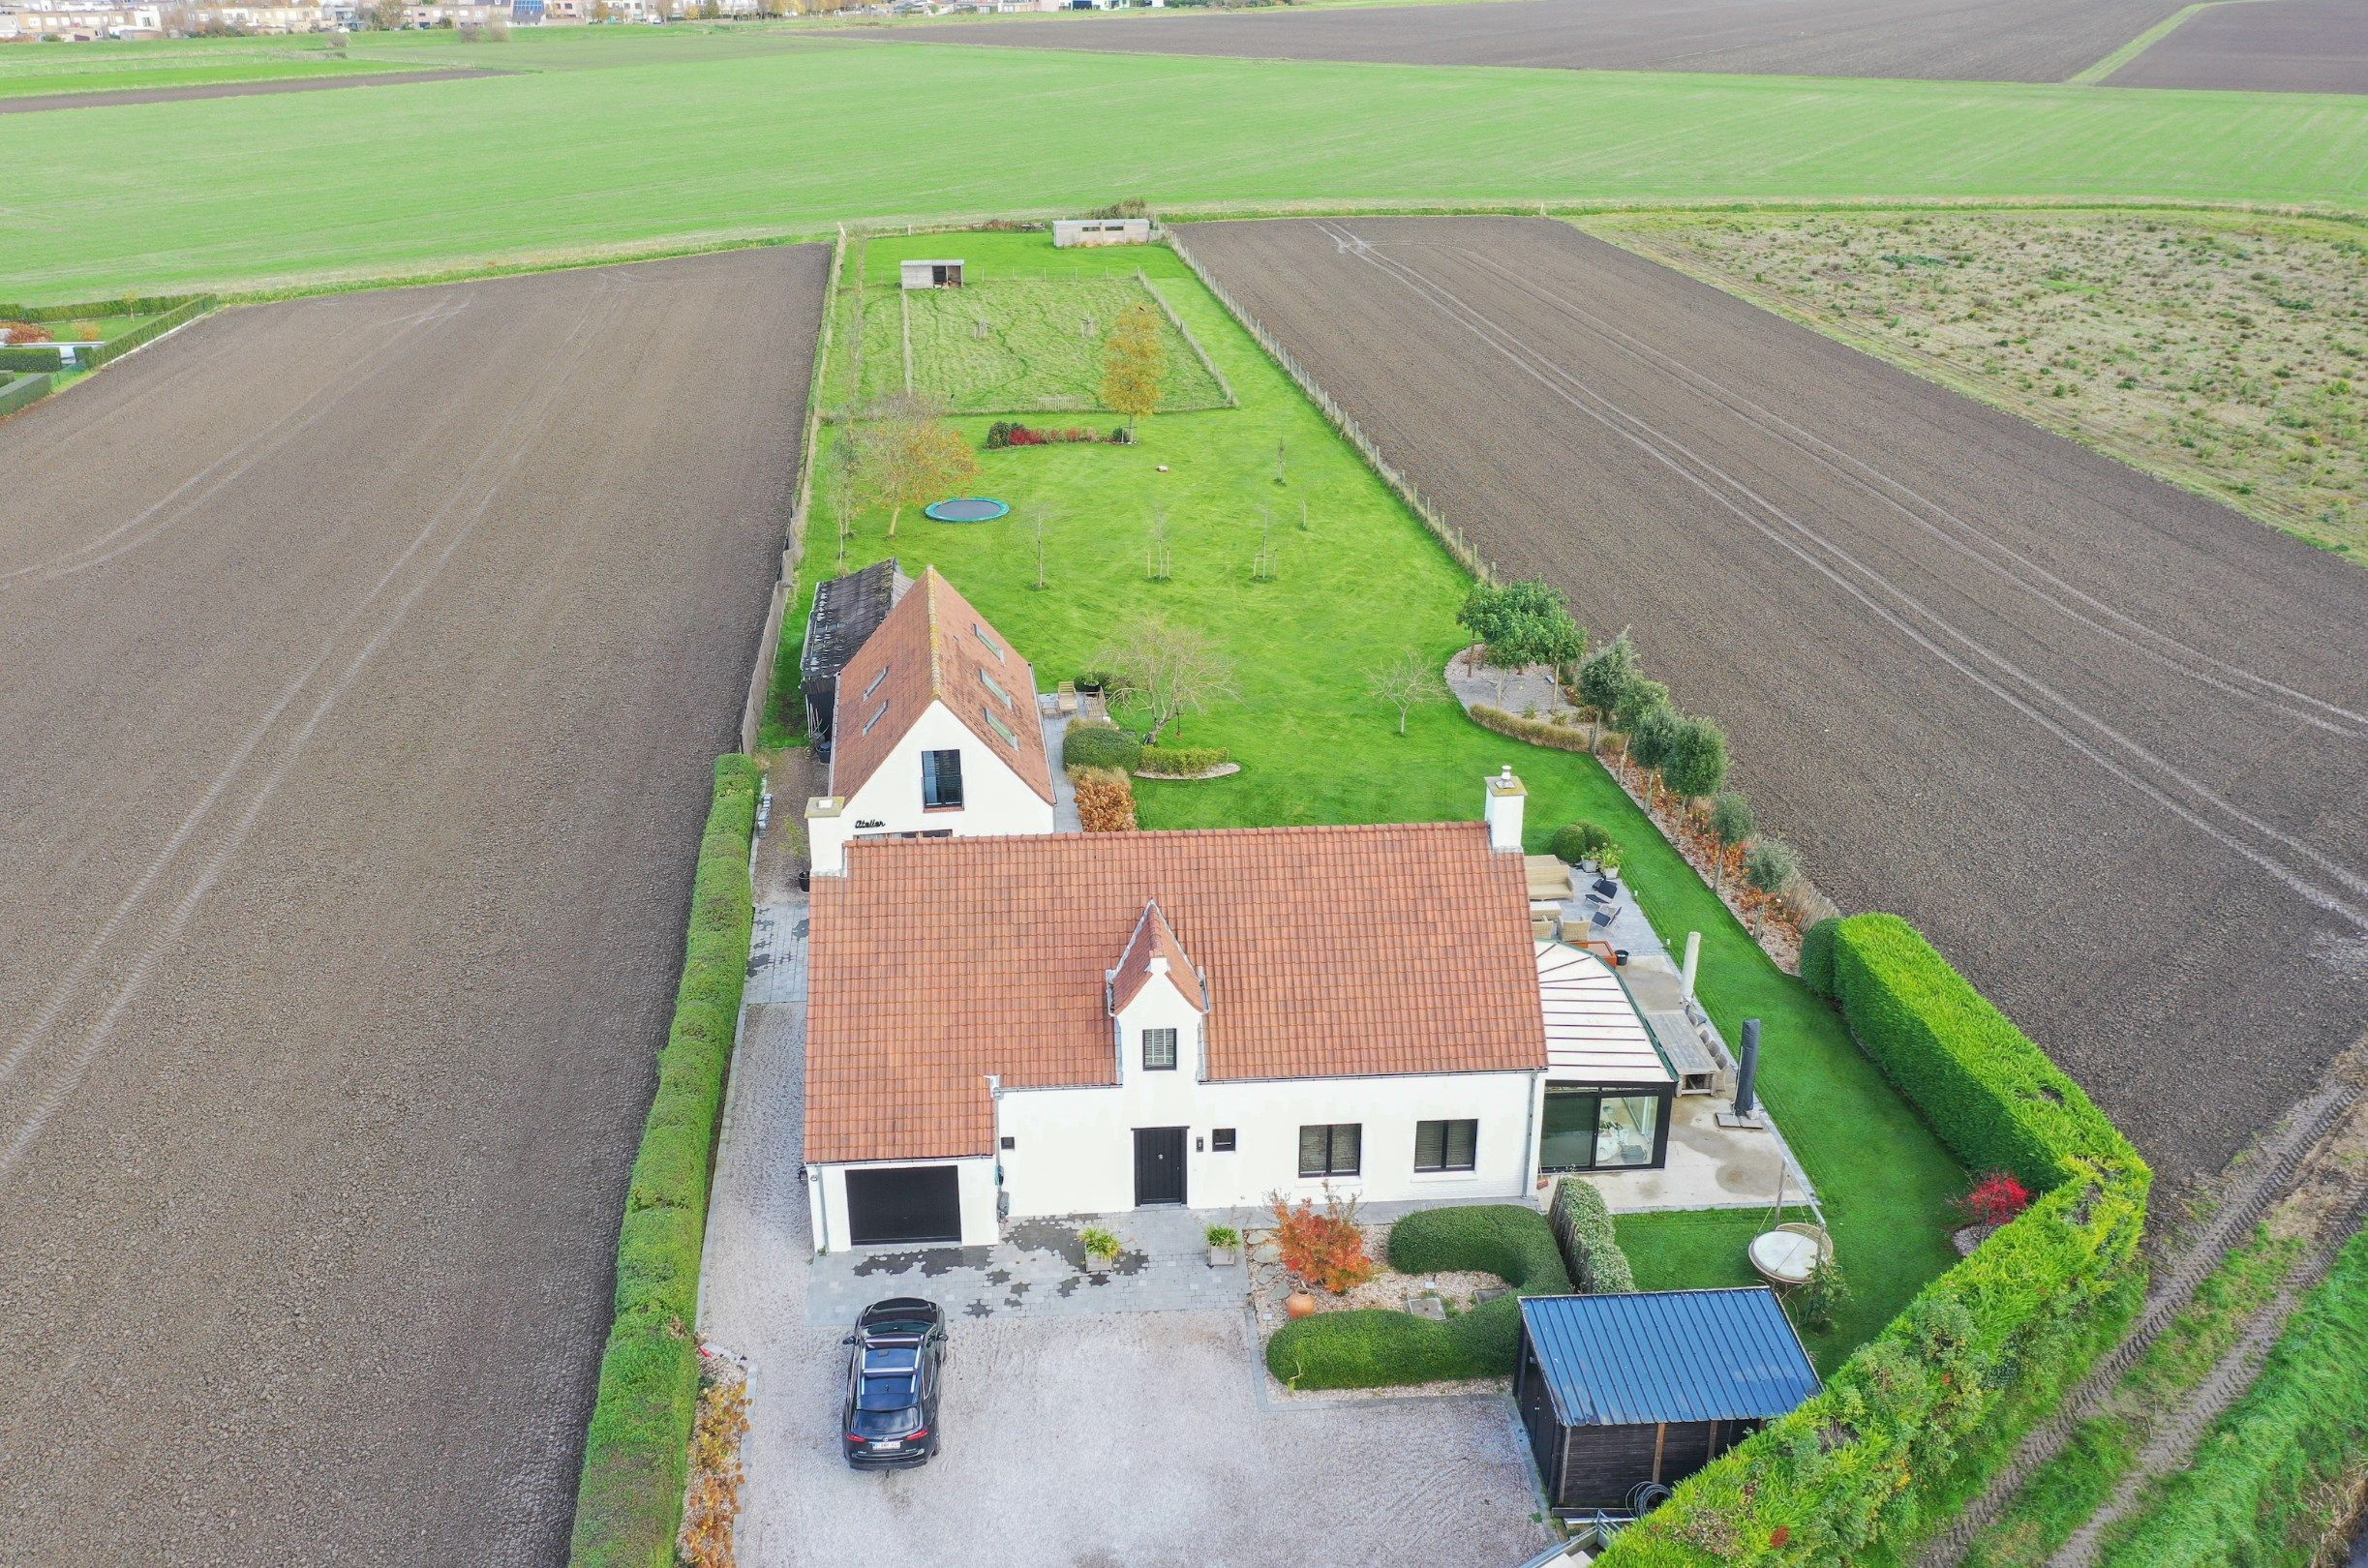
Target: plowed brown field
(365,658)
(2261,45)
(1931,40)
(2101,737)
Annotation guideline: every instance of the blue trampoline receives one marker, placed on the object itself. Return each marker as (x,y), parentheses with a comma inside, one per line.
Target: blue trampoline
(965,509)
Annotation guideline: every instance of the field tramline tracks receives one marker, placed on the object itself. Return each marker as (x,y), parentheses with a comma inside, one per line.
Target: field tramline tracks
(33,1106)
(2333,890)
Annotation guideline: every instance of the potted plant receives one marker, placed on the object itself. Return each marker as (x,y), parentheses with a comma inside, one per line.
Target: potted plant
(1224,1246)
(1101,1248)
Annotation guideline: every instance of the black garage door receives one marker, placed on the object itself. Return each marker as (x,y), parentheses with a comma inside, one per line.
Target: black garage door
(919,1203)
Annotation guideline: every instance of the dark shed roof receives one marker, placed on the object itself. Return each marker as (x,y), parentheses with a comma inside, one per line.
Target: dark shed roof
(847,611)
(1668,1355)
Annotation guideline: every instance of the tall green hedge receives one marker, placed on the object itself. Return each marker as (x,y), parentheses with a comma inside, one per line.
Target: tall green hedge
(1817,958)
(629,1499)
(2255,1492)
(17,394)
(1906,1429)
(39,357)
(146,332)
(1596,1265)
(84,309)
(1378,1347)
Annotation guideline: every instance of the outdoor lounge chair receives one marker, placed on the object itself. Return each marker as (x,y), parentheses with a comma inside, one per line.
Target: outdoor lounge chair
(1603,890)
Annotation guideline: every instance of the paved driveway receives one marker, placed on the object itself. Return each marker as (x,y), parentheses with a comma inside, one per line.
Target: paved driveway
(1126,1439)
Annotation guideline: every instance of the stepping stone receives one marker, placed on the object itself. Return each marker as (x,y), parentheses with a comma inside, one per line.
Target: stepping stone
(1430,1306)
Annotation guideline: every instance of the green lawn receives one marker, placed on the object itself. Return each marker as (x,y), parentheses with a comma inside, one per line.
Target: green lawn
(1014,345)
(624,140)
(1362,584)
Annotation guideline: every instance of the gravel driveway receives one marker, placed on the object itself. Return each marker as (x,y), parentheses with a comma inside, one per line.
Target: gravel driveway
(1136,1439)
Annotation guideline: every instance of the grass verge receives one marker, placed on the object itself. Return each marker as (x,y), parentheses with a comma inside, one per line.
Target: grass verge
(629,1499)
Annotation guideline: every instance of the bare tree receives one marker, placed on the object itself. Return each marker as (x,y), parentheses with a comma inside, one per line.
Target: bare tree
(1040,517)
(1158,561)
(1404,682)
(1134,362)
(1174,670)
(906,454)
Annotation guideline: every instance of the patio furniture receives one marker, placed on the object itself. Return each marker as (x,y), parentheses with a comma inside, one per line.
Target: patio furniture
(1603,890)
(1782,1256)
(1065,697)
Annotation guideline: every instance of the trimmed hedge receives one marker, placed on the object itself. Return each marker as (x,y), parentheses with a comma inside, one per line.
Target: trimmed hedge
(1912,1424)
(31,357)
(1181,762)
(1376,1347)
(1591,1253)
(1817,958)
(1537,731)
(629,1499)
(1099,746)
(84,309)
(2254,1491)
(145,332)
(1580,841)
(20,393)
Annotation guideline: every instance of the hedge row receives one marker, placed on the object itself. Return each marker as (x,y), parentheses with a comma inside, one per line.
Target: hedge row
(2257,1490)
(1087,745)
(1181,762)
(31,357)
(1908,1428)
(629,1499)
(1375,1348)
(82,310)
(20,393)
(1582,1223)
(1537,731)
(146,331)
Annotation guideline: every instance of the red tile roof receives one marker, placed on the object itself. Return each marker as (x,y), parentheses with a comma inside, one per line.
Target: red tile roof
(1153,938)
(1329,953)
(933,645)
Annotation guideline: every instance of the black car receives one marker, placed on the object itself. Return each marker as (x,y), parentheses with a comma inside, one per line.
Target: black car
(889,1416)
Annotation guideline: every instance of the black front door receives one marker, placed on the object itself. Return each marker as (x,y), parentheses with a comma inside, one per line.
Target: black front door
(1159,1165)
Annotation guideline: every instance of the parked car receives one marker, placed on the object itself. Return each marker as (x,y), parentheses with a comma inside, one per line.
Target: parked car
(894,1372)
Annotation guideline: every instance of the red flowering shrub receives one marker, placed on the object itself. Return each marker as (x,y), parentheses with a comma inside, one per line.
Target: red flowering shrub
(1996,1198)
(1327,1248)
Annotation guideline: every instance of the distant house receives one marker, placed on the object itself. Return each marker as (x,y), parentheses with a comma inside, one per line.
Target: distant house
(1623,1393)
(933,731)
(941,274)
(1072,232)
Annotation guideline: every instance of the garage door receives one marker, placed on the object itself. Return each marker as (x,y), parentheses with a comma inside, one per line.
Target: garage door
(919,1203)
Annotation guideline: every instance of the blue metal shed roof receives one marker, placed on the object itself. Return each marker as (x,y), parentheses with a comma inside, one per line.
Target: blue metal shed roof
(1668,1355)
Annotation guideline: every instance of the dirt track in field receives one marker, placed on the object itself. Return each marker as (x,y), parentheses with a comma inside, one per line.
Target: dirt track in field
(115,98)
(2261,45)
(366,659)
(2102,739)
(1931,40)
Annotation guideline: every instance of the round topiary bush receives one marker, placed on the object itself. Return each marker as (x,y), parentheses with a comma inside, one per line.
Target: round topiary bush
(1817,957)
(1580,841)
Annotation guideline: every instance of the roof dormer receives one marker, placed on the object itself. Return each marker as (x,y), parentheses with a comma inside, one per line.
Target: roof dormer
(1153,954)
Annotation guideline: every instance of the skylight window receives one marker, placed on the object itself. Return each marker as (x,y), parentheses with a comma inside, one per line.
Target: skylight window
(989,641)
(997,687)
(876,718)
(1002,729)
(880,676)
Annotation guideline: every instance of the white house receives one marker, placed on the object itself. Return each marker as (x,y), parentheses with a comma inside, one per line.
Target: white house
(1085,1023)
(934,731)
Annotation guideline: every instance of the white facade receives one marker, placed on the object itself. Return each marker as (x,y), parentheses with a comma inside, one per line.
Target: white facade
(995,800)
(826,1196)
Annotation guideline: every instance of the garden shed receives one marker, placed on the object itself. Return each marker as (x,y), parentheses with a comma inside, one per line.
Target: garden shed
(1624,1393)
(1070,232)
(940,274)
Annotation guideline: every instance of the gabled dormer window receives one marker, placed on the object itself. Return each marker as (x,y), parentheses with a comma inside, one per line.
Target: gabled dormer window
(1159,1050)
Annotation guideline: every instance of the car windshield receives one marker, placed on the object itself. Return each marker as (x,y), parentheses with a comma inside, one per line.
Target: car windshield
(881,1413)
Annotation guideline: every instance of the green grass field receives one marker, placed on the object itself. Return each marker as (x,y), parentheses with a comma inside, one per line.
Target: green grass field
(1362,585)
(622,141)
(1014,345)
(36,70)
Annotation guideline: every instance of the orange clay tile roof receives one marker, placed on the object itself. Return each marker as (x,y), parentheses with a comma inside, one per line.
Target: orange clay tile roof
(1330,952)
(1153,938)
(935,645)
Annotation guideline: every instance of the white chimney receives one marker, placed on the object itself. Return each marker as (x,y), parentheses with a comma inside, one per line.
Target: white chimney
(826,836)
(1506,798)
